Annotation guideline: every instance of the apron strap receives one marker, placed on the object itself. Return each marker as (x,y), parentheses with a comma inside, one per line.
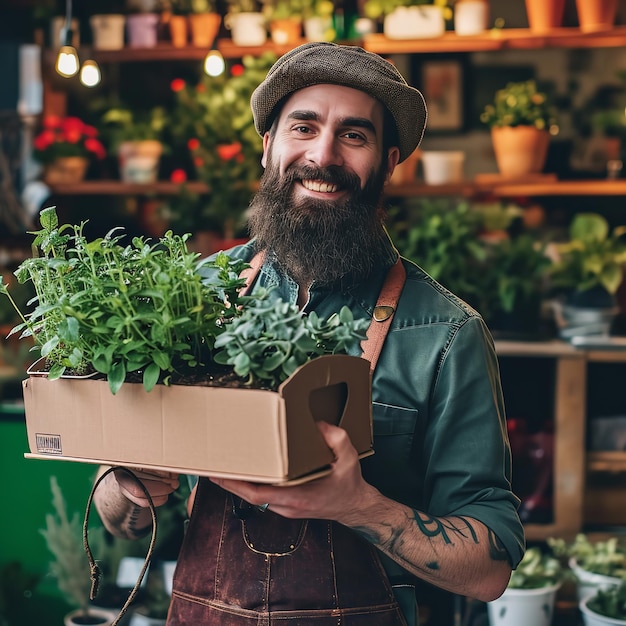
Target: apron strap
(383,311)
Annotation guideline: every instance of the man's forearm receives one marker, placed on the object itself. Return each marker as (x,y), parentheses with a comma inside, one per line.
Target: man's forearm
(459,554)
(120,516)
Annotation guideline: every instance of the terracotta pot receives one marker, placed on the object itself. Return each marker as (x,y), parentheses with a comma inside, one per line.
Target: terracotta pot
(520,150)
(596,15)
(204,28)
(139,161)
(544,15)
(178,30)
(66,170)
(286,31)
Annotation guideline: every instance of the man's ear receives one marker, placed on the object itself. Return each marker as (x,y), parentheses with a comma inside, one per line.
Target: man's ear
(266,143)
(393,156)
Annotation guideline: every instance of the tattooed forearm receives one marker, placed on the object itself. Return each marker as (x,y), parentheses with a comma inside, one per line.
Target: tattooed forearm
(497,550)
(432,527)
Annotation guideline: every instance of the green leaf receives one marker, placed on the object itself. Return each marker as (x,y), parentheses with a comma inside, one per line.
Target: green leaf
(151,376)
(116,377)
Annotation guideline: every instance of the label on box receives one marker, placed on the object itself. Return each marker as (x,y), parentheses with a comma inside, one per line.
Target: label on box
(48,444)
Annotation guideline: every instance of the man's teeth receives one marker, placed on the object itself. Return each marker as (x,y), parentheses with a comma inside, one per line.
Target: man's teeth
(314,185)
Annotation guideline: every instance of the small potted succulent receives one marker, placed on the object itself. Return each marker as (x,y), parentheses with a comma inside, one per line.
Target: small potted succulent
(521,120)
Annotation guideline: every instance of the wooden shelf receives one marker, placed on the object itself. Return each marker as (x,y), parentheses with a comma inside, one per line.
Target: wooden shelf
(498,39)
(606,461)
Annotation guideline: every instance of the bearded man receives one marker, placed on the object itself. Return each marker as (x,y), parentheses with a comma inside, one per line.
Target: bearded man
(434,503)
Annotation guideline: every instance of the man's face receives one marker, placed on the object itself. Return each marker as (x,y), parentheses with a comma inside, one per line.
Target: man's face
(318,208)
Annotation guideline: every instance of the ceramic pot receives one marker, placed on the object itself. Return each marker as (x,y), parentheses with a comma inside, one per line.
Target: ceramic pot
(139,161)
(442,166)
(318,28)
(471,17)
(520,150)
(405,172)
(142,30)
(596,15)
(94,617)
(588,583)
(204,28)
(178,30)
(107,31)
(544,15)
(66,170)
(414,22)
(591,618)
(286,31)
(522,607)
(246,29)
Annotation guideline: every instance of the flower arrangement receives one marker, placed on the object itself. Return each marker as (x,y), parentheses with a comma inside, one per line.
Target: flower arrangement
(66,137)
(214,122)
(519,104)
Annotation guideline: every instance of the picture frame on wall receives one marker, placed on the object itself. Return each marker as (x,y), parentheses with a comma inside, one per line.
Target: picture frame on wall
(441,82)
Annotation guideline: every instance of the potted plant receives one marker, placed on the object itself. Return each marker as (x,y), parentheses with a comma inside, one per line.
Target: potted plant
(62,534)
(213,122)
(202,18)
(136,137)
(597,565)
(246,22)
(531,593)
(285,20)
(607,607)
(318,20)
(409,19)
(107,23)
(66,146)
(521,120)
(586,275)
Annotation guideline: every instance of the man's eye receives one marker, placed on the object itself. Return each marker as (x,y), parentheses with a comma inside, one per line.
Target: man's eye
(354,136)
(302,129)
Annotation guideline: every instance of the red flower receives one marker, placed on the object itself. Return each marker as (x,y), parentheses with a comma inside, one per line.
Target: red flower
(51,121)
(193,144)
(198,162)
(237,69)
(229,151)
(178,84)
(43,140)
(93,145)
(178,176)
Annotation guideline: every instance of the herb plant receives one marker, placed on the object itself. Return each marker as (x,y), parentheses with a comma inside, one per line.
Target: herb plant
(610,602)
(270,340)
(601,557)
(113,308)
(537,569)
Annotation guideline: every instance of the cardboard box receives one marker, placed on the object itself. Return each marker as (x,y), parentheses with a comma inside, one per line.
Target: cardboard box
(264,436)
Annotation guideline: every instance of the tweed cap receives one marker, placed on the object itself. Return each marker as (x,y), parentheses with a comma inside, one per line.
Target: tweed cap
(329,63)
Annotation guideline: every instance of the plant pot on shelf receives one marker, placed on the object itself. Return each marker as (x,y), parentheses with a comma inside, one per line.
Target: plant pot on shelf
(142,30)
(588,583)
(471,17)
(318,28)
(93,617)
(520,150)
(204,28)
(544,15)
(414,22)
(139,161)
(246,28)
(66,170)
(178,27)
(522,607)
(108,31)
(286,31)
(596,15)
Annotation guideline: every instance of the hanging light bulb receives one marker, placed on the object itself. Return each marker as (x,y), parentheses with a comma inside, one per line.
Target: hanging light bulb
(67,61)
(90,73)
(214,63)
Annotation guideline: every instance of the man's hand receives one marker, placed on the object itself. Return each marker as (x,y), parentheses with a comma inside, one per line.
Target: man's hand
(334,496)
(159,485)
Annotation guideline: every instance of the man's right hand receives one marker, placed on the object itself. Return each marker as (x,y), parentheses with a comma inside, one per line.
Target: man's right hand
(159,484)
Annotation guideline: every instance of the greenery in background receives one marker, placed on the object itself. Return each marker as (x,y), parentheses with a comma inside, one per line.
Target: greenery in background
(120,123)
(601,557)
(188,7)
(213,120)
(610,602)
(519,104)
(375,9)
(270,340)
(16,586)
(537,569)
(592,258)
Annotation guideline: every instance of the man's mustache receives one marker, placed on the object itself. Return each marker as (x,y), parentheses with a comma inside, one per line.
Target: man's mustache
(333,175)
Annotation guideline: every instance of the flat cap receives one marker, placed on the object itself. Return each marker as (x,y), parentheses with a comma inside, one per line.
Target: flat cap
(318,63)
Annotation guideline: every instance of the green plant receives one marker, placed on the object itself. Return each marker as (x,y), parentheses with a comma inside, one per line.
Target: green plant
(375,9)
(592,258)
(537,569)
(610,602)
(270,340)
(283,9)
(519,104)
(188,7)
(66,137)
(243,6)
(117,309)
(120,124)
(601,557)
(213,121)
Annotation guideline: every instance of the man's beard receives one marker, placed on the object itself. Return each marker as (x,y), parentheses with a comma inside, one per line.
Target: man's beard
(315,239)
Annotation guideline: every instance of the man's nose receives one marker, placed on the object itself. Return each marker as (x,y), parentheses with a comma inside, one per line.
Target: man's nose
(324,151)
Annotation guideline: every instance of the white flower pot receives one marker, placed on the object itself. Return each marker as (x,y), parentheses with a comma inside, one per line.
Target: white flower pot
(523,607)
(108,31)
(471,17)
(414,22)
(588,583)
(246,29)
(317,28)
(441,167)
(590,618)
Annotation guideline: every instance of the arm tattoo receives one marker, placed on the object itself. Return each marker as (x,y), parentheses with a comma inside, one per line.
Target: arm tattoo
(432,526)
(497,551)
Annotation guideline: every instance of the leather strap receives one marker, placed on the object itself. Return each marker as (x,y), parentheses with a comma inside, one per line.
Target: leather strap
(384,310)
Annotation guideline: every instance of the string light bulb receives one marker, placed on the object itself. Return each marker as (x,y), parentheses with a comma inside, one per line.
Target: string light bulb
(214,63)
(90,73)
(67,61)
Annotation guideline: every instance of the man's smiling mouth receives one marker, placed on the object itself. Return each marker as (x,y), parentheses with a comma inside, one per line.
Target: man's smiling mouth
(319,186)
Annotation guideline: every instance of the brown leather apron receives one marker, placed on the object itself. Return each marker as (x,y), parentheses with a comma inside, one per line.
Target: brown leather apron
(239,566)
